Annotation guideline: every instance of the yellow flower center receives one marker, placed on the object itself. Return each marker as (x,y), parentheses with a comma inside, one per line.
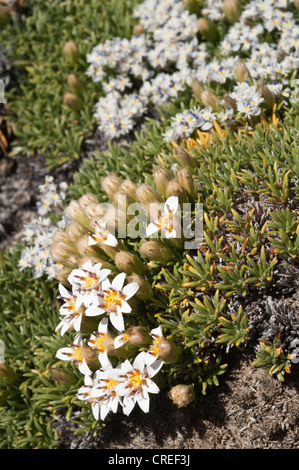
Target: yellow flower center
(77,354)
(113,299)
(97,343)
(136,379)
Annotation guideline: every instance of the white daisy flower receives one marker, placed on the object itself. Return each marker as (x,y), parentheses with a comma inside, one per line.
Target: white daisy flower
(166,222)
(112,300)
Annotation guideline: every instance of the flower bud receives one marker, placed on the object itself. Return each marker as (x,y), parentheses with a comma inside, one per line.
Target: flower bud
(74,230)
(209,100)
(75,211)
(128,188)
(182,395)
(75,84)
(296,3)
(61,237)
(145,291)
(207,29)
(269,99)
(197,88)
(232,10)
(111,184)
(86,199)
(186,180)
(164,349)
(7,374)
(62,376)
(241,72)
(146,195)
(138,30)
(184,158)
(73,101)
(229,102)
(71,52)
(60,252)
(84,249)
(174,188)
(62,275)
(91,209)
(138,336)
(129,262)
(155,251)
(161,179)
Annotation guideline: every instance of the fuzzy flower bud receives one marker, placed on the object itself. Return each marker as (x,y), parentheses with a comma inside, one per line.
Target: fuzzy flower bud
(84,249)
(62,376)
(174,188)
(184,158)
(138,336)
(186,180)
(75,211)
(60,252)
(86,199)
(63,274)
(73,101)
(7,374)
(229,102)
(155,251)
(145,291)
(241,72)
(182,395)
(269,99)
(111,184)
(75,84)
(161,179)
(129,262)
(197,88)
(128,188)
(71,52)
(74,230)
(138,30)
(146,195)
(232,10)
(209,100)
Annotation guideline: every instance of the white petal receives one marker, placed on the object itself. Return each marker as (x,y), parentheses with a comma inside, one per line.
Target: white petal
(171,204)
(63,353)
(117,321)
(94,311)
(125,307)
(139,360)
(104,411)
(157,331)
(171,234)
(154,368)
(111,240)
(84,369)
(119,341)
(128,405)
(130,289)
(144,403)
(118,281)
(151,229)
(152,387)
(95,410)
(91,241)
(103,325)
(64,292)
(77,322)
